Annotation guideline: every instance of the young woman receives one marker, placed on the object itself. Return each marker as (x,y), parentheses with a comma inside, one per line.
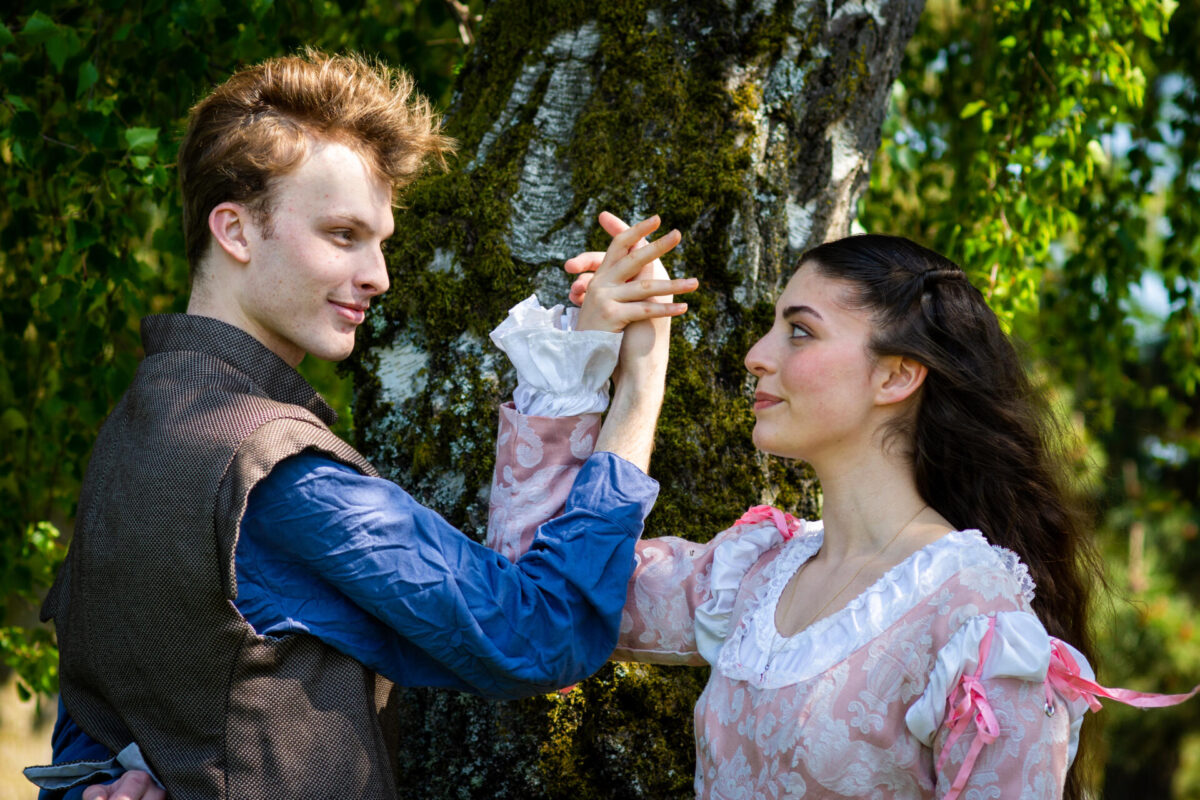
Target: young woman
(927,638)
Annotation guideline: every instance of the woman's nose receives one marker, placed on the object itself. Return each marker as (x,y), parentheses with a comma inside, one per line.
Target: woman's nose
(756,360)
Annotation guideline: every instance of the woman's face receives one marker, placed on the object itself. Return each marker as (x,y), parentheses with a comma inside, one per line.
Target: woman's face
(816,375)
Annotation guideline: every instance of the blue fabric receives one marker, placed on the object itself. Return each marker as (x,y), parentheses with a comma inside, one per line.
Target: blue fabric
(70,743)
(357,562)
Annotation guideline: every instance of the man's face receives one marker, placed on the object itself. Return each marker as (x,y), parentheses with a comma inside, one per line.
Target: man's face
(308,284)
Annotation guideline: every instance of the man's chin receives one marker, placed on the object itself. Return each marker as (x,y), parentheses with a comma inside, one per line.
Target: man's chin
(338,351)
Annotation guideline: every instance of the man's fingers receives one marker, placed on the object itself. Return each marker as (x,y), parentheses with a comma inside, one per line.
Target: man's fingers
(133,785)
(579,288)
(584,262)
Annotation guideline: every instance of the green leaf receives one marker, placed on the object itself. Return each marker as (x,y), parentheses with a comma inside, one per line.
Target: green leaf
(83,235)
(972,108)
(16,102)
(88,75)
(39,28)
(1152,27)
(6,37)
(13,420)
(61,46)
(141,138)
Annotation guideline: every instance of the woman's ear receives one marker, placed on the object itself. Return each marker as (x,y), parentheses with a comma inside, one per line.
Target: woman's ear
(897,379)
(227,222)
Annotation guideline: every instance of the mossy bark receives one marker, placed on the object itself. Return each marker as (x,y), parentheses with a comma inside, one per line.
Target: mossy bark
(750,126)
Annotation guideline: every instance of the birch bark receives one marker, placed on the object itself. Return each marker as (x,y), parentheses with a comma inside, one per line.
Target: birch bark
(749,125)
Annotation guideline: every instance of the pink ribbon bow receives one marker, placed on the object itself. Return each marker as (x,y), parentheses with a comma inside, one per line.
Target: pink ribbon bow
(788,525)
(972,706)
(1063,677)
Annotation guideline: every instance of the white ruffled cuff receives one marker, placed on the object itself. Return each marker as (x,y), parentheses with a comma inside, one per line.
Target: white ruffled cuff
(1020,649)
(561,372)
(731,560)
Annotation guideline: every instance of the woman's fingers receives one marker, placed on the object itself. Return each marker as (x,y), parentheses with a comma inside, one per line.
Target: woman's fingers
(628,239)
(616,316)
(647,289)
(651,310)
(627,267)
(611,223)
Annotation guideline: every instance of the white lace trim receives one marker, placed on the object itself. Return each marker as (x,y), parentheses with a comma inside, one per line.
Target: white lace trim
(756,653)
(1014,566)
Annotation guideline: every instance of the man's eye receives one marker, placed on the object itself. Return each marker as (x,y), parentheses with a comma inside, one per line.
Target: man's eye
(344,235)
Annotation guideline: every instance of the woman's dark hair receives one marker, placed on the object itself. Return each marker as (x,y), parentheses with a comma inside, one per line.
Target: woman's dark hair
(987,451)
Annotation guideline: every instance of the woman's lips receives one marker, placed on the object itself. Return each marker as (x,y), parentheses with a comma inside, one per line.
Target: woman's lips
(350,311)
(763,400)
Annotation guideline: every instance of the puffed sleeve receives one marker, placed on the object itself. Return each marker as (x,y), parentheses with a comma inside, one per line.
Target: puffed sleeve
(994,726)
(680,605)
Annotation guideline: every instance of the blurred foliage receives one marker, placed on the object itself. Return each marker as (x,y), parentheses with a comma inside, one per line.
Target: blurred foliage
(1051,149)
(94,100)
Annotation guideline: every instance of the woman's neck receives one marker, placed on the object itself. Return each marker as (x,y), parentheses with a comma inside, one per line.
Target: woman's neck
(866,500)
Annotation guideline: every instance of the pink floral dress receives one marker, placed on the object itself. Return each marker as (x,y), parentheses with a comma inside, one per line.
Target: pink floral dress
(934,683)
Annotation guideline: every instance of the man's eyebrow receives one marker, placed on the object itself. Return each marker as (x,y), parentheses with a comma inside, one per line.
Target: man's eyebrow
(792,310)
(353,220)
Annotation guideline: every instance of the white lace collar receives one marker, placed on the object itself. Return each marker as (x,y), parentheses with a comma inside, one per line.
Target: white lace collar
(755,651)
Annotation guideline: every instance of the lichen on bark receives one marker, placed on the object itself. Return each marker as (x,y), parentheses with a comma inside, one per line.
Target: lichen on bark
(747,125)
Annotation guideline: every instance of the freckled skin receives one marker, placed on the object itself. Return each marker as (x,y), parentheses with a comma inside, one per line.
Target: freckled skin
(307,284)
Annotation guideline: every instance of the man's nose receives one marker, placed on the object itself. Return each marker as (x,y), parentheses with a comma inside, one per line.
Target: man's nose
(374,280)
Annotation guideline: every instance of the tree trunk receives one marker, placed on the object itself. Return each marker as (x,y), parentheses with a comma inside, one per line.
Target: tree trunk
(750,126)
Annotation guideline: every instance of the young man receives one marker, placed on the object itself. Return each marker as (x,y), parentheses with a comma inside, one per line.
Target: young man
(239,578)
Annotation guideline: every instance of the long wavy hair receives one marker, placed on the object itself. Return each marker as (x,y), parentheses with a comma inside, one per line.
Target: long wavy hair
(987,451)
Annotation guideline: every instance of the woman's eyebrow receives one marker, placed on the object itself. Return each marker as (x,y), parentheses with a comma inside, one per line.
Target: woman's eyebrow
(792,310)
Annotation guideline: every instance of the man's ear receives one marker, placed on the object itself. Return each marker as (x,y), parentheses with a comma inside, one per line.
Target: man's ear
(897,379)
(227,222)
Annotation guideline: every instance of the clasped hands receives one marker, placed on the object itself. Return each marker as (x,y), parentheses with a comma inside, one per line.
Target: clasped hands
(627,288)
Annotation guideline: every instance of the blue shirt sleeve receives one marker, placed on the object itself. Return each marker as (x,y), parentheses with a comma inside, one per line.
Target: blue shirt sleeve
(357,562)
(70,743)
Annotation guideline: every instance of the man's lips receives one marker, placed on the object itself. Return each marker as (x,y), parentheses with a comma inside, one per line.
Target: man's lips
(763,400)
(352,312)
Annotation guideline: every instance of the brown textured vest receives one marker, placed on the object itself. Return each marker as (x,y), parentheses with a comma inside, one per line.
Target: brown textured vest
(152,648)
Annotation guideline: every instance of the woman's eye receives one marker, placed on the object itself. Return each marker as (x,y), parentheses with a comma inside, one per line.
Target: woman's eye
(799,333)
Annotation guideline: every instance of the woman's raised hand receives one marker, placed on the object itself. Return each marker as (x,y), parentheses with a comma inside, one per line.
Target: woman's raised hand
(628,282)
(629,290)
